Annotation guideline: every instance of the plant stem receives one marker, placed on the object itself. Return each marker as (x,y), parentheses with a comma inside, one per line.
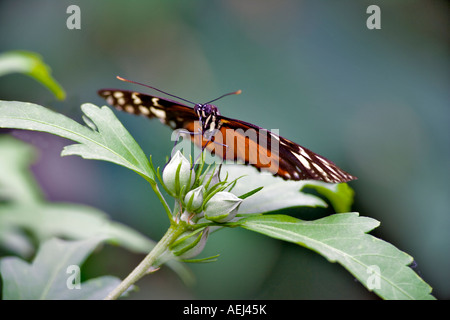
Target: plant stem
(163,201)
(174,231)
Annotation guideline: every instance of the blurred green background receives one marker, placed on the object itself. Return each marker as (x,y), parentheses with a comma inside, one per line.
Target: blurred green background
(376,102)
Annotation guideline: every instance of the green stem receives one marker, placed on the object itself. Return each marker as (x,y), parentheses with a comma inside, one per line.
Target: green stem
(163,201)
(174,231)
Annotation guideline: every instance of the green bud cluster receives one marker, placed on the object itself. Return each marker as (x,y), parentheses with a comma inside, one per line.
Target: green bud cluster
(201,198)
(202,195)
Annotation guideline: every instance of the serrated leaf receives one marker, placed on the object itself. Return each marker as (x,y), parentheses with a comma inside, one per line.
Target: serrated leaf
(48,277)
(27,210)
(31,64)
(343,238)
(71,221)
(112,142)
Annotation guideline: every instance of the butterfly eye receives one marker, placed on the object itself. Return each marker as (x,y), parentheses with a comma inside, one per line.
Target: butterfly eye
(207,109)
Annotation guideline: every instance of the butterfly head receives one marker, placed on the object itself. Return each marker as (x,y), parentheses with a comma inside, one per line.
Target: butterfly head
(208,116)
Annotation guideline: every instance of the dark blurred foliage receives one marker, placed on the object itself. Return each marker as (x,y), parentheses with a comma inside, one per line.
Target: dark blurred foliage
(374,101)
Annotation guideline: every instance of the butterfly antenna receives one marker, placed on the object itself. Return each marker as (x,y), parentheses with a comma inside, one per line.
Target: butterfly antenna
(126,80)
(224,95)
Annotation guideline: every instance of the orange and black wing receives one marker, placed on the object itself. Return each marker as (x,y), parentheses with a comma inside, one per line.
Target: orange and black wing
(267,151)
(171,113)
(235,139)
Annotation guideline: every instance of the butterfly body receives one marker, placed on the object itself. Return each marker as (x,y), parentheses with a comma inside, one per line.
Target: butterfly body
(231,139)
(209,117)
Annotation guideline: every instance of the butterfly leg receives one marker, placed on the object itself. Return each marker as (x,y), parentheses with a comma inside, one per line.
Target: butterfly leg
(220,144)
(203,149)
(177,137)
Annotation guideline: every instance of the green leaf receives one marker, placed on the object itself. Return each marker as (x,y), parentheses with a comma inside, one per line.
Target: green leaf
(203,260)
(31,64)
(49,277)
(250,193)
(16,181)
(343,238)
(111,142)
(72,221)
(26,209)
(340,195)
(276,193)
(27,213)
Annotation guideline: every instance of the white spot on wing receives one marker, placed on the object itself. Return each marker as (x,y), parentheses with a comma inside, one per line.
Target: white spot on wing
(158,112)
(303,153)
(144,110)
(318,168)
(110,100)
(129,108)
(155,102)
(303,161)
(333,171)
(135,98)
(322,159)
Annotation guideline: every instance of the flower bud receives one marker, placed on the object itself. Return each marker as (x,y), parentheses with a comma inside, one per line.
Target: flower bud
(222,207)
(194,199)
(190,245)
(211,179)
(173,179)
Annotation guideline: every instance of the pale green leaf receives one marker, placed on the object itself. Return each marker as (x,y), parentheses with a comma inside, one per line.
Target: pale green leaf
(112,142)
(50,276)
(16,181)
(340,195)
(343,238)
(31,64)
(72,221)
(26,209)
(27,213)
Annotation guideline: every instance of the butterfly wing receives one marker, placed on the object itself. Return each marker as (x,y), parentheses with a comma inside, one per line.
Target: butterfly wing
(171,113)
(267,151)
(235,139)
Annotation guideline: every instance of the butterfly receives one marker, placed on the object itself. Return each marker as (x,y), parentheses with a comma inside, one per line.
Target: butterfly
(229,139)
